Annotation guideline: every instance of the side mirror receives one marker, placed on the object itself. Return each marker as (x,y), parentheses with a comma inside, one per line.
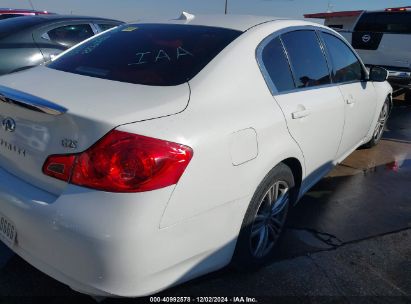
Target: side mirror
(378,74)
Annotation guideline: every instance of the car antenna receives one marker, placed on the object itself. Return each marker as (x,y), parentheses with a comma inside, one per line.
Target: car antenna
(186,16)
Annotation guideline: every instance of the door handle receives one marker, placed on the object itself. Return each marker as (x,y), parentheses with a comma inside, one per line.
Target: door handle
(300,114)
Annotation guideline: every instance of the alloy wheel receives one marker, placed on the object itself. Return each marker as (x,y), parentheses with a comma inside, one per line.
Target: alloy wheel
(269,219)
(382,119)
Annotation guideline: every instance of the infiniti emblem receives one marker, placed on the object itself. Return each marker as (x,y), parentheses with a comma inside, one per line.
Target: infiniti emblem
(366,38)
(9,124)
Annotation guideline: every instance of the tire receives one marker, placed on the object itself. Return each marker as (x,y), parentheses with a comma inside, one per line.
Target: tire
(263,221)
(380,126)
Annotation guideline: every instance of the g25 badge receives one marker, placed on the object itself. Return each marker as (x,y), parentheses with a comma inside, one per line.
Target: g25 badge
(69,143)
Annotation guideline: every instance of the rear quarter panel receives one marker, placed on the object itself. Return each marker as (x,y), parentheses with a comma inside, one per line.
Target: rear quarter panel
(15,55)
(228,96)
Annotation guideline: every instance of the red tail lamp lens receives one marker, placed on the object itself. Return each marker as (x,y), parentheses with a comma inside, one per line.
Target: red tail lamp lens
(59,166)
(125,162)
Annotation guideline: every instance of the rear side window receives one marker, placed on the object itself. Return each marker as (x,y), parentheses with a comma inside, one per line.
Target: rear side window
(307,59)
(148,54)
(276,65)
(70,35)
(385,22)
(346,66)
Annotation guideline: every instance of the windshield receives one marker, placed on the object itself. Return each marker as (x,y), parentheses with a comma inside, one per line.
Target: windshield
(148,54)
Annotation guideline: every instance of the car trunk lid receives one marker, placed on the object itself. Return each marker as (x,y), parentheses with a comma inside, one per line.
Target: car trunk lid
(45,111)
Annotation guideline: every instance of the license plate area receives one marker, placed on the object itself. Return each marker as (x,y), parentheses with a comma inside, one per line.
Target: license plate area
(7,230)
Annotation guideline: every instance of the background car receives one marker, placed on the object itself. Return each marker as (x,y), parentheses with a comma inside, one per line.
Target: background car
(33,40)
(6,13)
(165,150)
(381,38)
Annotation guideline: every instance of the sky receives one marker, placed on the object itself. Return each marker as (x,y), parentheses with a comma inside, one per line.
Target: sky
(128,10)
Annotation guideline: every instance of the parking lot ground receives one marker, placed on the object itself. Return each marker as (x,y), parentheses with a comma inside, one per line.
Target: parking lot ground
(348,240)
(379,266)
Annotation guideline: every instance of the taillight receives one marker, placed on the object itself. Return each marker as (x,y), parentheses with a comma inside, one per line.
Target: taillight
(59,166)
(397,9)
(122,162)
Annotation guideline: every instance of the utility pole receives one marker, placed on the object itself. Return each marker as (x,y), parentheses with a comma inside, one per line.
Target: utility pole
(330,7)
(31,4)
(226,7)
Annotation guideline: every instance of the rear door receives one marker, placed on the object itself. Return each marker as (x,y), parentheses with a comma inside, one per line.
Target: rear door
(383,38)
(312,106)
(359,95)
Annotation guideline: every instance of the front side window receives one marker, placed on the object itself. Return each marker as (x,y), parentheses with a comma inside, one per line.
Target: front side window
(148,54)
(346,66)
(276,65)
(385,22)
(70,35)
(306,58)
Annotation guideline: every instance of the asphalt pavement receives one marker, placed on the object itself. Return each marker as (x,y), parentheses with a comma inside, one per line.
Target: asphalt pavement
(347,241)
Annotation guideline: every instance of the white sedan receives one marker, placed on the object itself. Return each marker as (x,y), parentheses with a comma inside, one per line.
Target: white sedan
(157,152)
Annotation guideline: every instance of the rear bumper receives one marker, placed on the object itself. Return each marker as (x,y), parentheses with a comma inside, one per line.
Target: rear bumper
(108,244)
(95,242)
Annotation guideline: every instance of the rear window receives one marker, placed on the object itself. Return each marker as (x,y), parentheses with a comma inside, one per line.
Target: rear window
(106,26)
(70,35)
(148,54)
(389,22)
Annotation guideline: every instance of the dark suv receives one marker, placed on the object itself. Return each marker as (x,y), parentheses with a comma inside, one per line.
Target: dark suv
(32,40)
(381,38)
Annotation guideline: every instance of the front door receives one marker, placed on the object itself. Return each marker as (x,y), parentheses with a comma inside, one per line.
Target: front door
(359,95)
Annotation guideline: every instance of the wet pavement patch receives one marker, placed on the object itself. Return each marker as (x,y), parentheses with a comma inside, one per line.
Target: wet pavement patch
(368,195)
(5,255)
(357,207)
(377,270)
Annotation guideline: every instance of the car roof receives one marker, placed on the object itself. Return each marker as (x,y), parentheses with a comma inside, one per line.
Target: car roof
(70,17)
(235,22)
(43,19)
(22,11)
(25,25)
